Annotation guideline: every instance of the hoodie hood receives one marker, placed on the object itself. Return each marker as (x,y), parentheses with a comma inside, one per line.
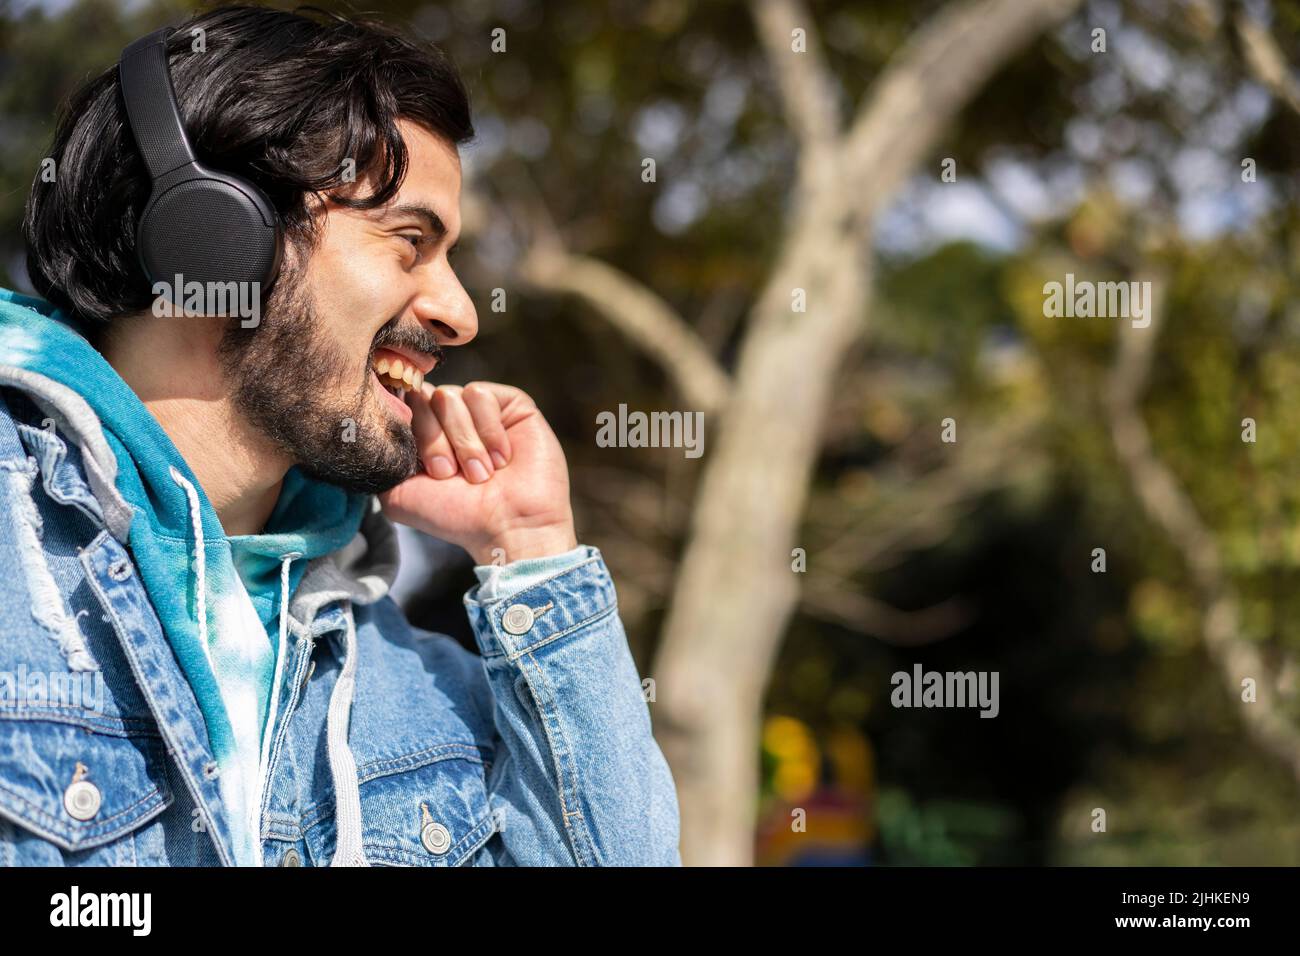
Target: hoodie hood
(218,597)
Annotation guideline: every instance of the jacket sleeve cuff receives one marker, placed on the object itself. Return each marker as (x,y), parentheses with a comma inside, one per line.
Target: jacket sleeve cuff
(558,600)
(497,581)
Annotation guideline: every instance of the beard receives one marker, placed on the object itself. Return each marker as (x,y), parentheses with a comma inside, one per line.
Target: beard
(296,386)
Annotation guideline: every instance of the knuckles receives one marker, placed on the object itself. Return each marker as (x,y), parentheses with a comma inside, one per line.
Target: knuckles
(504,396)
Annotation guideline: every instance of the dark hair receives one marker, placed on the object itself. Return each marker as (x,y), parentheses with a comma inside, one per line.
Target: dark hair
(280,98)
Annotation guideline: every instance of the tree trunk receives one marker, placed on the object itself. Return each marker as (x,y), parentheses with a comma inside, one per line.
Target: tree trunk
(735,589)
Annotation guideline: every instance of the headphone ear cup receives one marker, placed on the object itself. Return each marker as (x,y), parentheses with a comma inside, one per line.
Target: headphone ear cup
(216,228)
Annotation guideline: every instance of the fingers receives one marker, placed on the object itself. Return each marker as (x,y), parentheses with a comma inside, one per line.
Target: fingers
(458,426)
(485,409)
(431,439)
(464,428)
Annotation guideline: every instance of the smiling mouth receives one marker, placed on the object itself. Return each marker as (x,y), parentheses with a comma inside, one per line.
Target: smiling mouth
(397,376)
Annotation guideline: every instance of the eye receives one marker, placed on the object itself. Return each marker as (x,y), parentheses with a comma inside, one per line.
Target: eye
(417,241)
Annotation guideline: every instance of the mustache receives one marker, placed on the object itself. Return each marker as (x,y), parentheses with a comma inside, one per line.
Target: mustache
(417,339)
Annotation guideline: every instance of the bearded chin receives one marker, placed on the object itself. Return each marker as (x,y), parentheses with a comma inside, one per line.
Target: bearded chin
(375,460)
(285,376)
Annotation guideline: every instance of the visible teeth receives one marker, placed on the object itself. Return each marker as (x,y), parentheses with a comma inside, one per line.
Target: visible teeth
(396,386)
(397,376)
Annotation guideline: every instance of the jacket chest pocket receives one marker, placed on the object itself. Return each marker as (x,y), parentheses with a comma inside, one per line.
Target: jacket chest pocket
(425,809)
(76,790)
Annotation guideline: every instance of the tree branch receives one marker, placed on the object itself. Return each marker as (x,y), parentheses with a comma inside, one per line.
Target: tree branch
(873,617)
(922,508)
(1265,61)
(649,322)
(642,316)
(1168,505)
(928,83)
(807,92)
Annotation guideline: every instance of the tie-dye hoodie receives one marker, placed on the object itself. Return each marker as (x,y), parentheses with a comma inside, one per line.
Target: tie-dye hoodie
(218,597)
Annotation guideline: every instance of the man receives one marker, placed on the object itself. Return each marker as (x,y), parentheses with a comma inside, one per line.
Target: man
(200,662)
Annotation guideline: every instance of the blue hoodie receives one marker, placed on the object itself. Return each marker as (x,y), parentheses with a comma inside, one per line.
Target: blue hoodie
(219,598)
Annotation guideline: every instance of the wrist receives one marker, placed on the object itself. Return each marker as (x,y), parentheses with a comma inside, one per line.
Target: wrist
(520,543)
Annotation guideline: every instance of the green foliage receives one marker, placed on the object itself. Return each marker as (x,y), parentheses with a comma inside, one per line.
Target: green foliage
(942,832)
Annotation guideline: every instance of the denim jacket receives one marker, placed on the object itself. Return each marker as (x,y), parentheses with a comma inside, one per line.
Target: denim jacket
(390,745)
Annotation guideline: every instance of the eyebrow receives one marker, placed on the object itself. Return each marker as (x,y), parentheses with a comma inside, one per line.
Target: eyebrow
(433,222)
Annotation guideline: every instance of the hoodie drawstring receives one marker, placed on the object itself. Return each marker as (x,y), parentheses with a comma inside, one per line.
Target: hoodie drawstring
(199,566)
(343,767)
(281,653)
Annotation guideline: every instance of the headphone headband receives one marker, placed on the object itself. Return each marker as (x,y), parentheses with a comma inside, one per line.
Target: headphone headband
(151,104)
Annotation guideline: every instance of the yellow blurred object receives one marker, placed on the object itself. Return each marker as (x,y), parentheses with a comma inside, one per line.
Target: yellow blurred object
(852,759)
(791,742)
(787,737)
(822,812)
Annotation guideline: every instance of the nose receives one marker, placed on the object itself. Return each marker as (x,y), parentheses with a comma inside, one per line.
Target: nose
(448,310)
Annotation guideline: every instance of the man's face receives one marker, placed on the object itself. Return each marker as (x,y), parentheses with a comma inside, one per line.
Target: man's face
(378,288)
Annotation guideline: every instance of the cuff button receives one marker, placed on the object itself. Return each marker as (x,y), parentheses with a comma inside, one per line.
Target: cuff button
(517,619)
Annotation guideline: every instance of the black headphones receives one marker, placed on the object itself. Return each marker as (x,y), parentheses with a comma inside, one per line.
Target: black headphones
(201,224)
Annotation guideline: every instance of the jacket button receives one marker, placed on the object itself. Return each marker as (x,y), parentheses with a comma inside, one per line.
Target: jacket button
(436,838)
(291,858)
(517,619)
(81,800)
